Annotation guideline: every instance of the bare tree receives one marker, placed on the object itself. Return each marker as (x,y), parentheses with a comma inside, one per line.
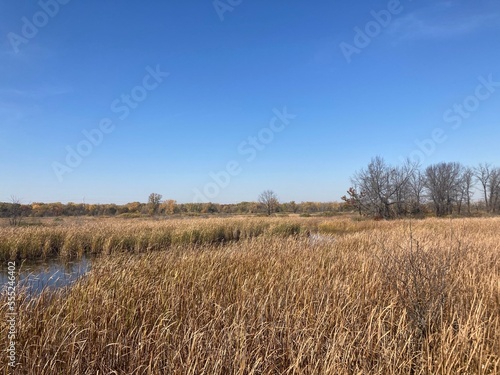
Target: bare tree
(467,186)
(355,200)
(154,201)
(400,178)
(15,214)
(383,190)
(270,200)
(482,173)
(494,190)
(443,185)
(489,178)
(416,186)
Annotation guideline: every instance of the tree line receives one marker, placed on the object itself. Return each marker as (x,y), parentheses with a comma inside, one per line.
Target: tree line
(16,211)
(380,190)
(385,191)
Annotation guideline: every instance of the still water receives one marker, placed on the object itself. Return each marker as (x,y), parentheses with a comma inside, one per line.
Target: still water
(51,274)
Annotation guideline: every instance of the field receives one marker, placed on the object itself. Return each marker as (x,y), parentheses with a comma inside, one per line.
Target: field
(263,296)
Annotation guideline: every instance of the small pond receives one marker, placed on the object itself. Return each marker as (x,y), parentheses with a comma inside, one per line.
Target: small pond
(51,274)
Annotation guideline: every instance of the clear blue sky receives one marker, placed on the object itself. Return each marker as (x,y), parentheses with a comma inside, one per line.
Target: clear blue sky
(231,69)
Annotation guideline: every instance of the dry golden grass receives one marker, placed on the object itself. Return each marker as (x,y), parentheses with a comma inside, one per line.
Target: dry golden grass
(280,305)
(74,237)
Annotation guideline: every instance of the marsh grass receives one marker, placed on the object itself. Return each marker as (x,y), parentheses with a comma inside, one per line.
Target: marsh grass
(109,236)
(273,304)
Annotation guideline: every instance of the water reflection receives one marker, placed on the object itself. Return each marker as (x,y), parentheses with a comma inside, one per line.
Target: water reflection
(51,274)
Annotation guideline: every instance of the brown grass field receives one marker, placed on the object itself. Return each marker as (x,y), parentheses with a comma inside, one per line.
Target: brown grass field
(262,296)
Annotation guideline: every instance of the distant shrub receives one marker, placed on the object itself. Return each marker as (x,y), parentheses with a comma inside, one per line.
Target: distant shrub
(420,279)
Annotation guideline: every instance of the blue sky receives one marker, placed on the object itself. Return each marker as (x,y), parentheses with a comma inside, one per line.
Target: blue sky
(232,66)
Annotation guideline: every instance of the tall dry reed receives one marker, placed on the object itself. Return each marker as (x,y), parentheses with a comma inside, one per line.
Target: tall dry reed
(280,305)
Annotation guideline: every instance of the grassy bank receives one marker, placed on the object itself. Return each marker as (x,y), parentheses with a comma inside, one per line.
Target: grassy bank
(74,238)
